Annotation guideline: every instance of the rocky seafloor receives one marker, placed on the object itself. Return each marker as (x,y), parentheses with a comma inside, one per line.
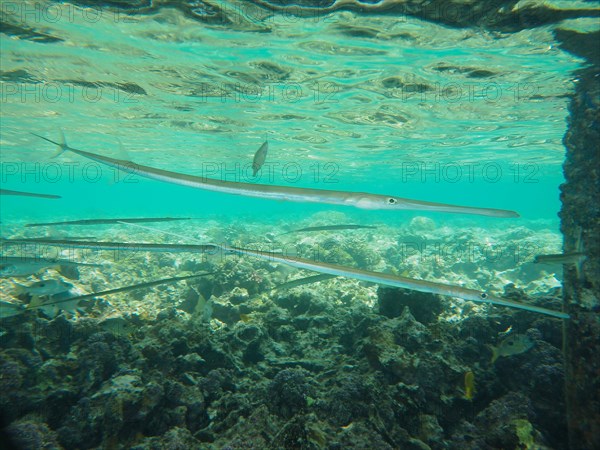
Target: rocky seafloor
(337,364)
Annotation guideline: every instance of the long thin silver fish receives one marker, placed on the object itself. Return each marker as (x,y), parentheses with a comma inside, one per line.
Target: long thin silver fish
(259,158)
(21,266)
(362,200)
(108,221)
(27,194)
(98,245)
(395,281)
(80,238)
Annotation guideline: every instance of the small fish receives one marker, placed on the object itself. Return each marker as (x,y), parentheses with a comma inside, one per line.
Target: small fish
(328,228)
(74,238)
(302,281)
(27,194)
(560,258)
(469,385)
(44,287)
(52,305)
(108,221)
(118,246)
(514,344)
(21,266)
(259,158)
(117,325)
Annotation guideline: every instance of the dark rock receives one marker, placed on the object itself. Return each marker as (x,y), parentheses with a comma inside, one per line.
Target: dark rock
(580,44)
(296,304)
(216,382)
(29,434)
(177,438)
(289,392)
(352,400)
(494,427)
(423,306)
(190,302)
(580,223)
(190,362)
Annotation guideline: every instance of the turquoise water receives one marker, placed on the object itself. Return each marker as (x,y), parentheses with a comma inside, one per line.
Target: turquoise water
(423,111)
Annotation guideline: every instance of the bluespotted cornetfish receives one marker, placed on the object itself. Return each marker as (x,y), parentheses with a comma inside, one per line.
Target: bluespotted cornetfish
(329,228)
(394,280)
(259,158)
(81,238)
(21,266)
(383,278)
(108,221)
(27,194)
(118,246)
(361,200)
(8,309)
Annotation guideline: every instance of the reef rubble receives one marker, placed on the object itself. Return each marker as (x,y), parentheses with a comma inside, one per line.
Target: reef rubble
(337,364)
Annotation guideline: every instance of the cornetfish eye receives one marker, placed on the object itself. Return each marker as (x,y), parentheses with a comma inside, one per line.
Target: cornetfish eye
(483,295)
(392,201)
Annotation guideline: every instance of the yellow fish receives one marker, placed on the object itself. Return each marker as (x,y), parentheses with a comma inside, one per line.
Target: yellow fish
(469,385)
(246,318)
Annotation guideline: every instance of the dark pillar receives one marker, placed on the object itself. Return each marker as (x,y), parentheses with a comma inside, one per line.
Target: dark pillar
(580,221)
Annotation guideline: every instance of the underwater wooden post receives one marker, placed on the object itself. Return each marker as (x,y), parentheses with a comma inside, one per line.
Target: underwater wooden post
(580,224)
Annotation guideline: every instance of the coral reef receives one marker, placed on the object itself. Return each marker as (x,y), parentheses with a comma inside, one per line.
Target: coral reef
(223,362)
